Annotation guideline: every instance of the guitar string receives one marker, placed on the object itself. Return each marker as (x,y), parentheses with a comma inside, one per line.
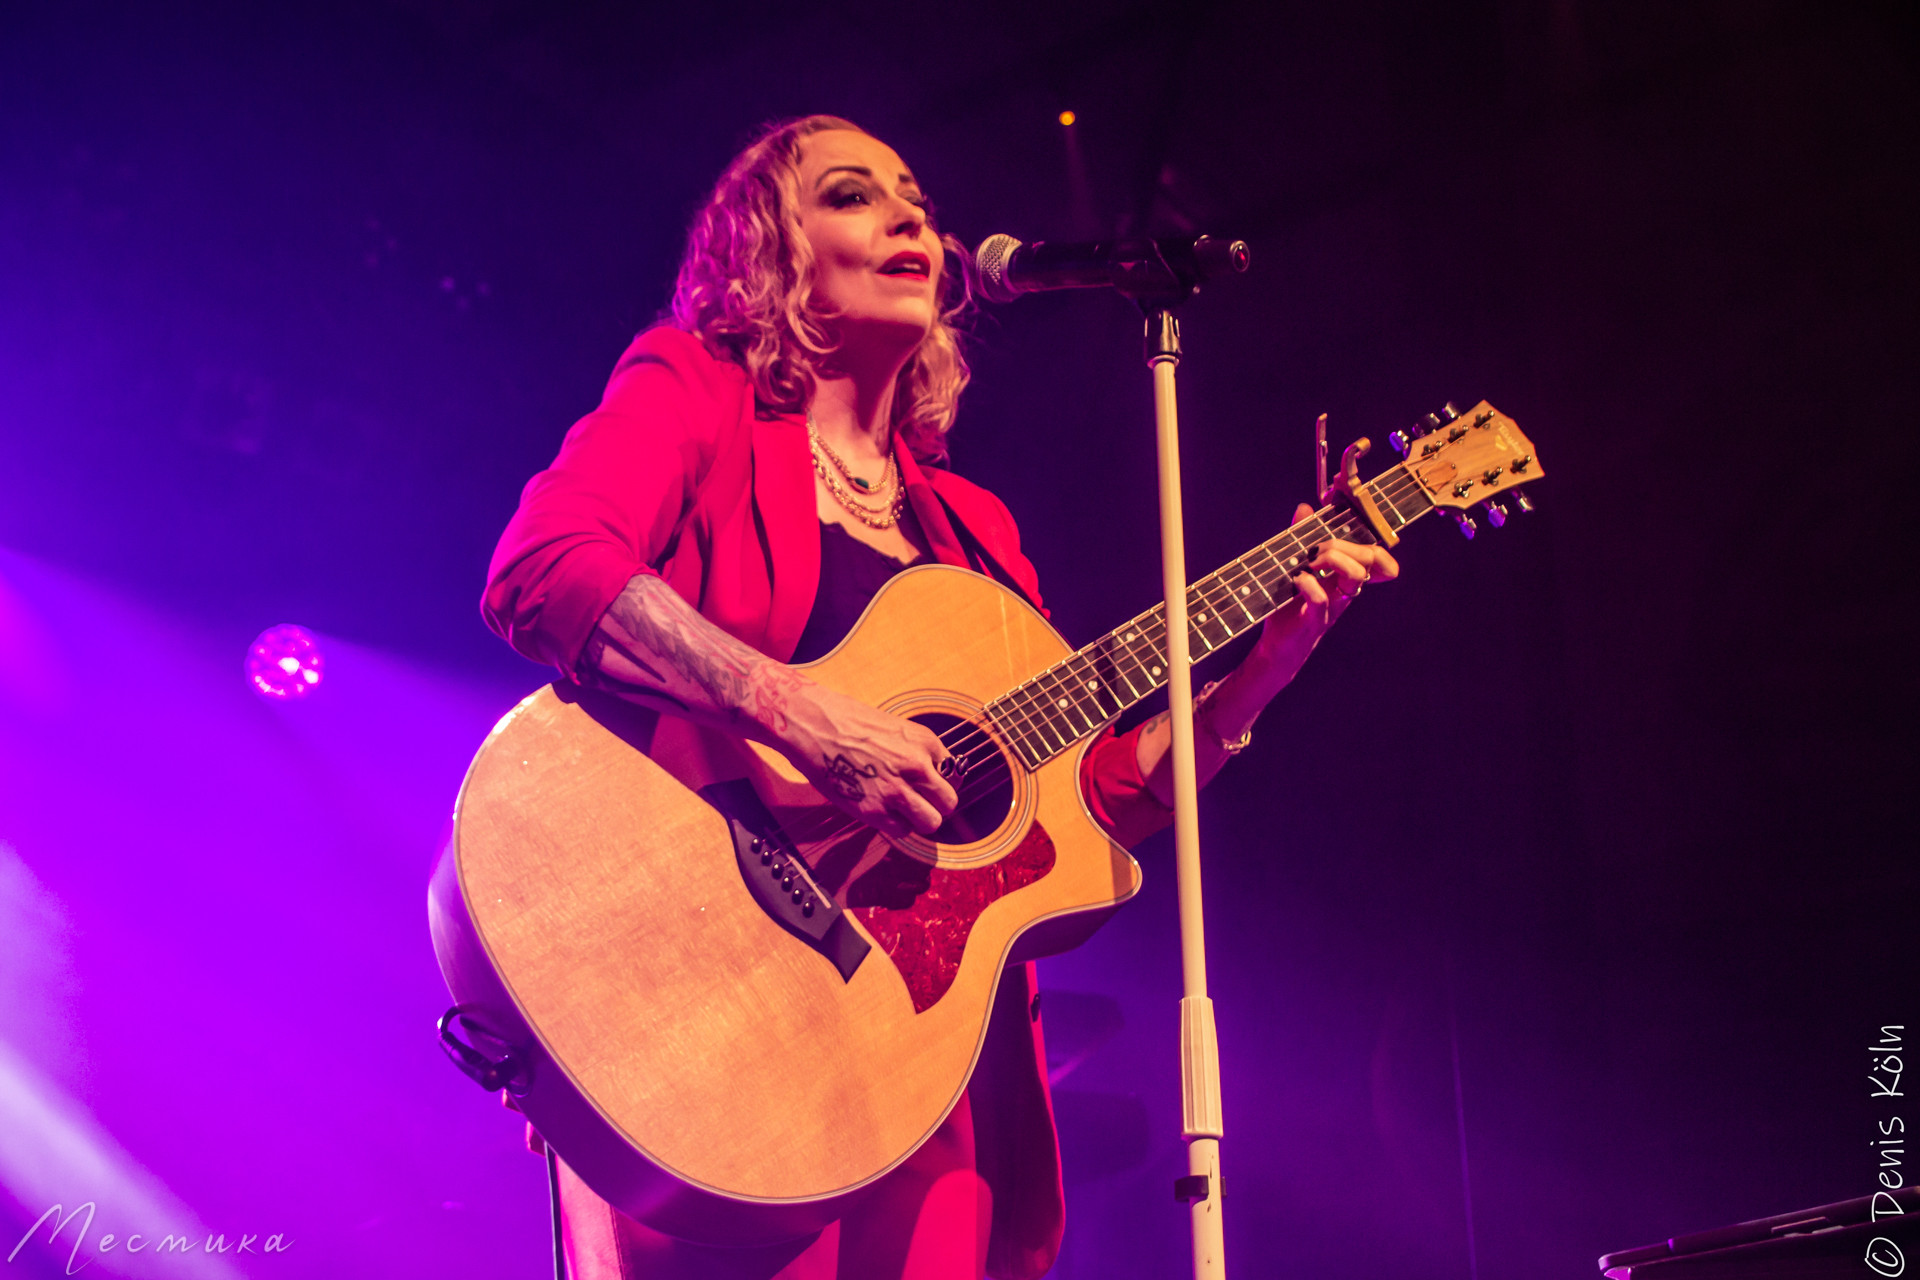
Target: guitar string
(1336,524)
(1207,592)
(1210,593)
(974,737)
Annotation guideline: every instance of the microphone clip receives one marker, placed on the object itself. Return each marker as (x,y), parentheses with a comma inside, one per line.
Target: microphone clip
(1162,274)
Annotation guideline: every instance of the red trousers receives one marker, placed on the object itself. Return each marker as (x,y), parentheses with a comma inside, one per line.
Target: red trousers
(927,1220)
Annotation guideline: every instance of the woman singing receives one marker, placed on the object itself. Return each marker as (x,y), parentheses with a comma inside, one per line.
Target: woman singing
(759,465)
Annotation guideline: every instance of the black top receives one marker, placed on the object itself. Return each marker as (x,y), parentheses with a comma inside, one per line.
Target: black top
(850,573)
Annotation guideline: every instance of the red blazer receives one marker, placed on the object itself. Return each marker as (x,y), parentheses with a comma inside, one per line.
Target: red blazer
(678,474)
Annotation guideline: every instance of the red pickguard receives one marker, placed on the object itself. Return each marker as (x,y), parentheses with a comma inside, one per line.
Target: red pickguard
(921,915)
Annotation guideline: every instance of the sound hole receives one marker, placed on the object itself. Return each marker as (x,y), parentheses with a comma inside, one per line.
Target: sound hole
(986,791)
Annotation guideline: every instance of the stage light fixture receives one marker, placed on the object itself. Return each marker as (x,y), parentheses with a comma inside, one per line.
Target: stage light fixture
(1067,118)
(285,662)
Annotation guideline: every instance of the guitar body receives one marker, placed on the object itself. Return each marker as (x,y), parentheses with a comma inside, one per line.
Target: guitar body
(704,1065)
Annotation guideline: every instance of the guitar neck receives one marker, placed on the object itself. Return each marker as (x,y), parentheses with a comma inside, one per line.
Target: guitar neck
(1065,703)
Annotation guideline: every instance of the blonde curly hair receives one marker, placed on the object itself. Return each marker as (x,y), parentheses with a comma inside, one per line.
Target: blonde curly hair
(746,289)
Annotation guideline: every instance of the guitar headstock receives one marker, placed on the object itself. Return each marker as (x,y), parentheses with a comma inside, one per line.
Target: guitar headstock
(1462,459)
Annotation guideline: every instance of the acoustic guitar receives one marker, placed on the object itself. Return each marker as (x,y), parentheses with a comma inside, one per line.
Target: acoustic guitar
(728,1006)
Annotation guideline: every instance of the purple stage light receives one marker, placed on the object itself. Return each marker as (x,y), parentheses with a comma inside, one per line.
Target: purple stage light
(285,662)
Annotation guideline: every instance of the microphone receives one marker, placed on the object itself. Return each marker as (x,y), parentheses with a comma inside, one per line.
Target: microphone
(1166,268)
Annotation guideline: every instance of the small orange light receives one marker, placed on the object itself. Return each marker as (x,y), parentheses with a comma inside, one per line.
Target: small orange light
(1067,118)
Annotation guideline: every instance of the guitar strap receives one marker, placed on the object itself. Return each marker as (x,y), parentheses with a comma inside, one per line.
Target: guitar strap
(984,559)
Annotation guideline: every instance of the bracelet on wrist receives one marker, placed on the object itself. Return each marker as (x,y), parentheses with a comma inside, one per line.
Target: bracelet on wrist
(1231,746)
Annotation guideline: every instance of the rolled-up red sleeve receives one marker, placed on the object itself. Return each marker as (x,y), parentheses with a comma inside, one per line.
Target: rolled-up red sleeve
(607,508)
(1116,793)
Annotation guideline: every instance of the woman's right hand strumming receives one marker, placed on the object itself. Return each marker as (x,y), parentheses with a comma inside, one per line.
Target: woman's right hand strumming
(878,767)
(653,648)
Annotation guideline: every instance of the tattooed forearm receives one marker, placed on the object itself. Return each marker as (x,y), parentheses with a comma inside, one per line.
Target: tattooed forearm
(1154,748)
(651,643)
(653,648)
(657,621)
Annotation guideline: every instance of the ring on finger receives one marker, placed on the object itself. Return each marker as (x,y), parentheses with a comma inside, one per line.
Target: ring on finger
(949,768)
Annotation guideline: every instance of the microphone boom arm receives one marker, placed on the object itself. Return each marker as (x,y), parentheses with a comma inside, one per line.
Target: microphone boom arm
(1161,272)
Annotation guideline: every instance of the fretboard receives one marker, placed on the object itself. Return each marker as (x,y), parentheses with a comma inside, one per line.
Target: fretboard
(1070,700)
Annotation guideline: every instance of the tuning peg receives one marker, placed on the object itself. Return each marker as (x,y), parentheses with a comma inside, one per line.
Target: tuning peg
(1521,502)
(1467,527)
(1433,422)
(1496,515)
(1448,413)
(1401,442)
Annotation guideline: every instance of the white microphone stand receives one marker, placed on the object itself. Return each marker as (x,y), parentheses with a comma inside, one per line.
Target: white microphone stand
(1199,1048)
(1159,276)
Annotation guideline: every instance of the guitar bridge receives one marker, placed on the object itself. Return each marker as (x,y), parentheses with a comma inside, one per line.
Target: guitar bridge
(780,881)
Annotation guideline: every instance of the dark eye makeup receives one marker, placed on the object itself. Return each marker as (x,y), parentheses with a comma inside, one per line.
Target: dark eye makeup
(847,194)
